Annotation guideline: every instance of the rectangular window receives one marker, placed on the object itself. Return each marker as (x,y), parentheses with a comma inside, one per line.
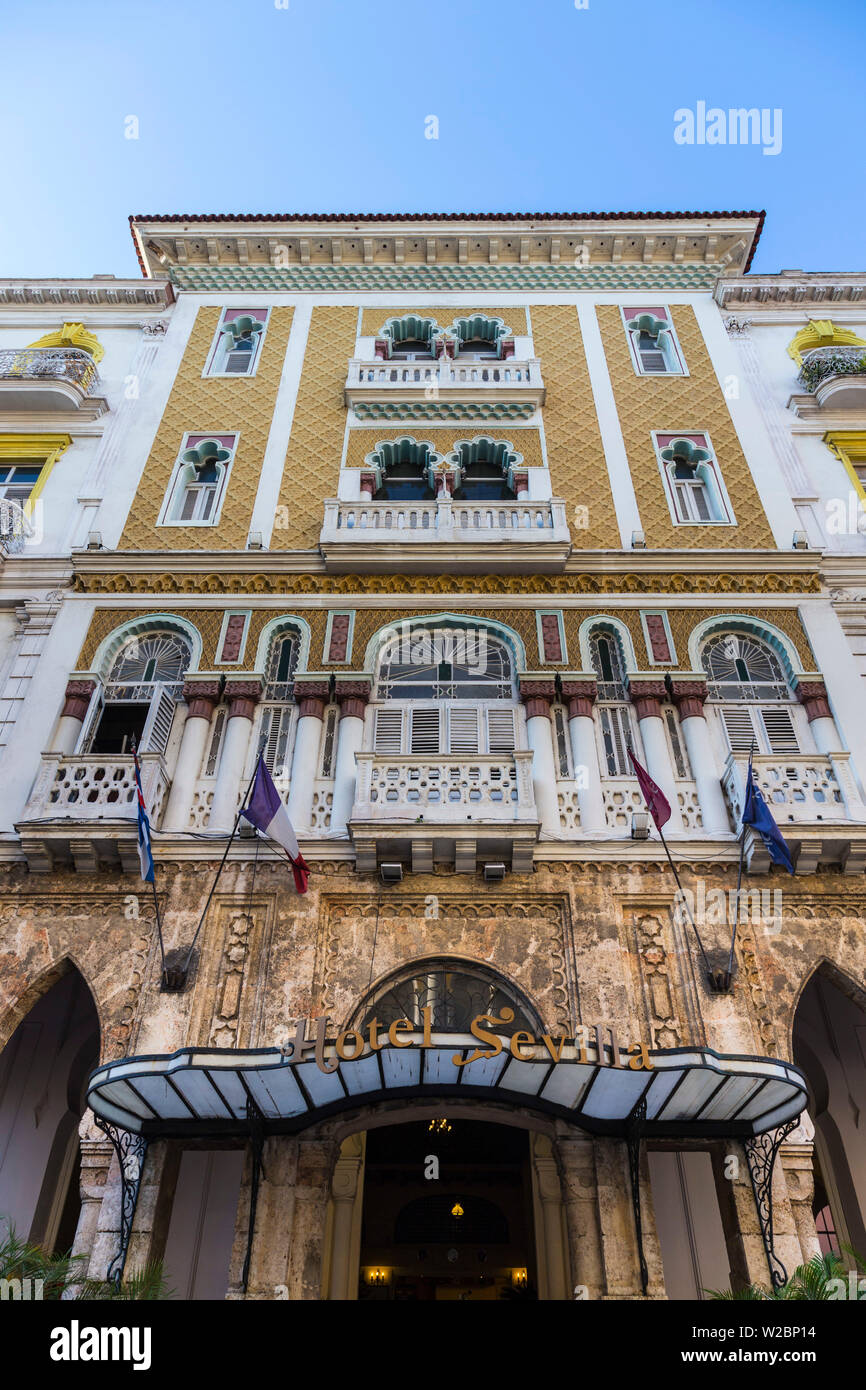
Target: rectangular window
(328,742)
(441,729)
(652,340)
(561,735)
(215,743)
(274,738)
(679,756)
(615,737)
(769,729)
(237,343)
(17,481)
(388,731)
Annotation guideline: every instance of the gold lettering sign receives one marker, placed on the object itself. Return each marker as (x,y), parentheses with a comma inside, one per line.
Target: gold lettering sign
(593,1044)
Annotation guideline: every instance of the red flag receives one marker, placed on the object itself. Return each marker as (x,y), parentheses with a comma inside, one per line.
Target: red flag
(301,871)
(657,803)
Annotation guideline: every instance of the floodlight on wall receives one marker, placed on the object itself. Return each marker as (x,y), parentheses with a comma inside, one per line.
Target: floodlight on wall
(391,873)
(640,825)
(494,873)
(94,540)
(254,541)
(801,540)
(638,540)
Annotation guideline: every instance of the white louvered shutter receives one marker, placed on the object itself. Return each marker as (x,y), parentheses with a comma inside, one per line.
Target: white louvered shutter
(274,738)
(500,730)
(91,721)
(212,761)
(781,734)
(157,727)
(463,731)
(425,731)
(739,728)
(615,737)
(388,732)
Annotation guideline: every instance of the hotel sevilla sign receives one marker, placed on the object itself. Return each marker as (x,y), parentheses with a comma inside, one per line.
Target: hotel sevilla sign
(590,1079)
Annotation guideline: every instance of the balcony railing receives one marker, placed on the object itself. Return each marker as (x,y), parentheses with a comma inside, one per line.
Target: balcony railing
(92,788)
(46,378)
(835,375)
(800,788)
(414,788)
(444,528)
(372,386)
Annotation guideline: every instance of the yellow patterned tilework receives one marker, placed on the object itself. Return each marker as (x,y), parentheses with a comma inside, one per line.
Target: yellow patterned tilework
(368,621)
(574,450)
(312,468)
(374,320)
(218,405)
(686,404)
(105,620)
(363,441)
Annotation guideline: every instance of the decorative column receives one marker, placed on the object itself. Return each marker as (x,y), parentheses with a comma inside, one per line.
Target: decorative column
(351,696)
(688,693)
(346,1187)
(577,1161)
(78,696)
(521,486)
(812,694)
(311,695)
(201,696)
(553,1271)
(242,697)
(646,696)
(578,693)
(369,484)
(537,693)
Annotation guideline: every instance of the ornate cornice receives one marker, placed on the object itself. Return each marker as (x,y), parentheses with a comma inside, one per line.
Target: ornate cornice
(447,411)
(100,293)
(124,580)
(424,280)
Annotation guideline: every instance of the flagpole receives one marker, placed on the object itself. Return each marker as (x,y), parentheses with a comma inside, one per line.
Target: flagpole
(231,837)
(684,900)
(137,767)
(740,867)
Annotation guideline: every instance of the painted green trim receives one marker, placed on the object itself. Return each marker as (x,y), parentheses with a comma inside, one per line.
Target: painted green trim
(437,410)
(423,280)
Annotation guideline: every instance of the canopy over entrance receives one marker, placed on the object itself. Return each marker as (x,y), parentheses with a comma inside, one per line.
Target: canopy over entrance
(689,1092)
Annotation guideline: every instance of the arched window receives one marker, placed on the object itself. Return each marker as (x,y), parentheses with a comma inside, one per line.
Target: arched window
(445,690)
(613,708)
(485,467)
(138,700)
(404,467)
(480,337)
(454,992)
(753,698)
(410,337)
(277,711)
(198,484)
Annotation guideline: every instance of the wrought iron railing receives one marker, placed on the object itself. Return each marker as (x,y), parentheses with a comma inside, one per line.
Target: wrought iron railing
(824,362)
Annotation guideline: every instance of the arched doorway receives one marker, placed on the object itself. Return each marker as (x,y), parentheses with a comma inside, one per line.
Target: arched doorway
(447,1212)
(829,1040)
(43,1078)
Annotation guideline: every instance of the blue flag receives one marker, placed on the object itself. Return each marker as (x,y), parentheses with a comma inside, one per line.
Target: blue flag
(145,853)
(756,813)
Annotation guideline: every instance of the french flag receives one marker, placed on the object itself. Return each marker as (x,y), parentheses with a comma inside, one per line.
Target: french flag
(265,810)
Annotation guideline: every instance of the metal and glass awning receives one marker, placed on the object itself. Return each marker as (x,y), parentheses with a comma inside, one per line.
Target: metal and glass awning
(690,1092)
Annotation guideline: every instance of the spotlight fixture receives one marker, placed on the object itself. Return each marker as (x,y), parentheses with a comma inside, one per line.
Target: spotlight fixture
(494,873)
(391,873)
(640,825)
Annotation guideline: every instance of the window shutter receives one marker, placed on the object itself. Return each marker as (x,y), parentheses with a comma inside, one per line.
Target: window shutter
(91,721)
(652,360)
(615,736)
(781,734)
(739,728)
(216,740)
(274,737)
(463,730)
(155,734)
(239,362)
(388,731)
(678,748)
(500,730)
(425,731)
(561,740)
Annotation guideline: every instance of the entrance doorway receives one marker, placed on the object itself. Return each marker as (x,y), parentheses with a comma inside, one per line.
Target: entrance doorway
(447,1213)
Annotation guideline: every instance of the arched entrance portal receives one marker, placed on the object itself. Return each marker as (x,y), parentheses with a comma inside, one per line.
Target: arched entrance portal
(447,1212)
(830,1046)
(44,1070)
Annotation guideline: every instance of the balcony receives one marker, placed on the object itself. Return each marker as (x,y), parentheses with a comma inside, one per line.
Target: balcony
(834,378)
(84,810)
(424,810)
(444,389)
(815,803)
(457,537)
(49,380)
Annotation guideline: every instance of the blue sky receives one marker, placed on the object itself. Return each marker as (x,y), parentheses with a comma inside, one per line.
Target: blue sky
(321,106)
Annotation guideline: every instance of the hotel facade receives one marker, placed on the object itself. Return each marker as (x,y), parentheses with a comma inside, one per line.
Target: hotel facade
(439,516)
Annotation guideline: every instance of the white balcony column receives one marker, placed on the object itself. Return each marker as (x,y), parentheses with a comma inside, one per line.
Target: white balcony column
(352,697)
(77,703)
(537,695)
(311,696)
(579,696)
(689,695)
(242,696)
(201,696)
(812,694)
(646,696)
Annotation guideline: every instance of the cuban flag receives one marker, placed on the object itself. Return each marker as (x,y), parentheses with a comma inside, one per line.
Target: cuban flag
(145,853)
(757,814)
(265,810)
